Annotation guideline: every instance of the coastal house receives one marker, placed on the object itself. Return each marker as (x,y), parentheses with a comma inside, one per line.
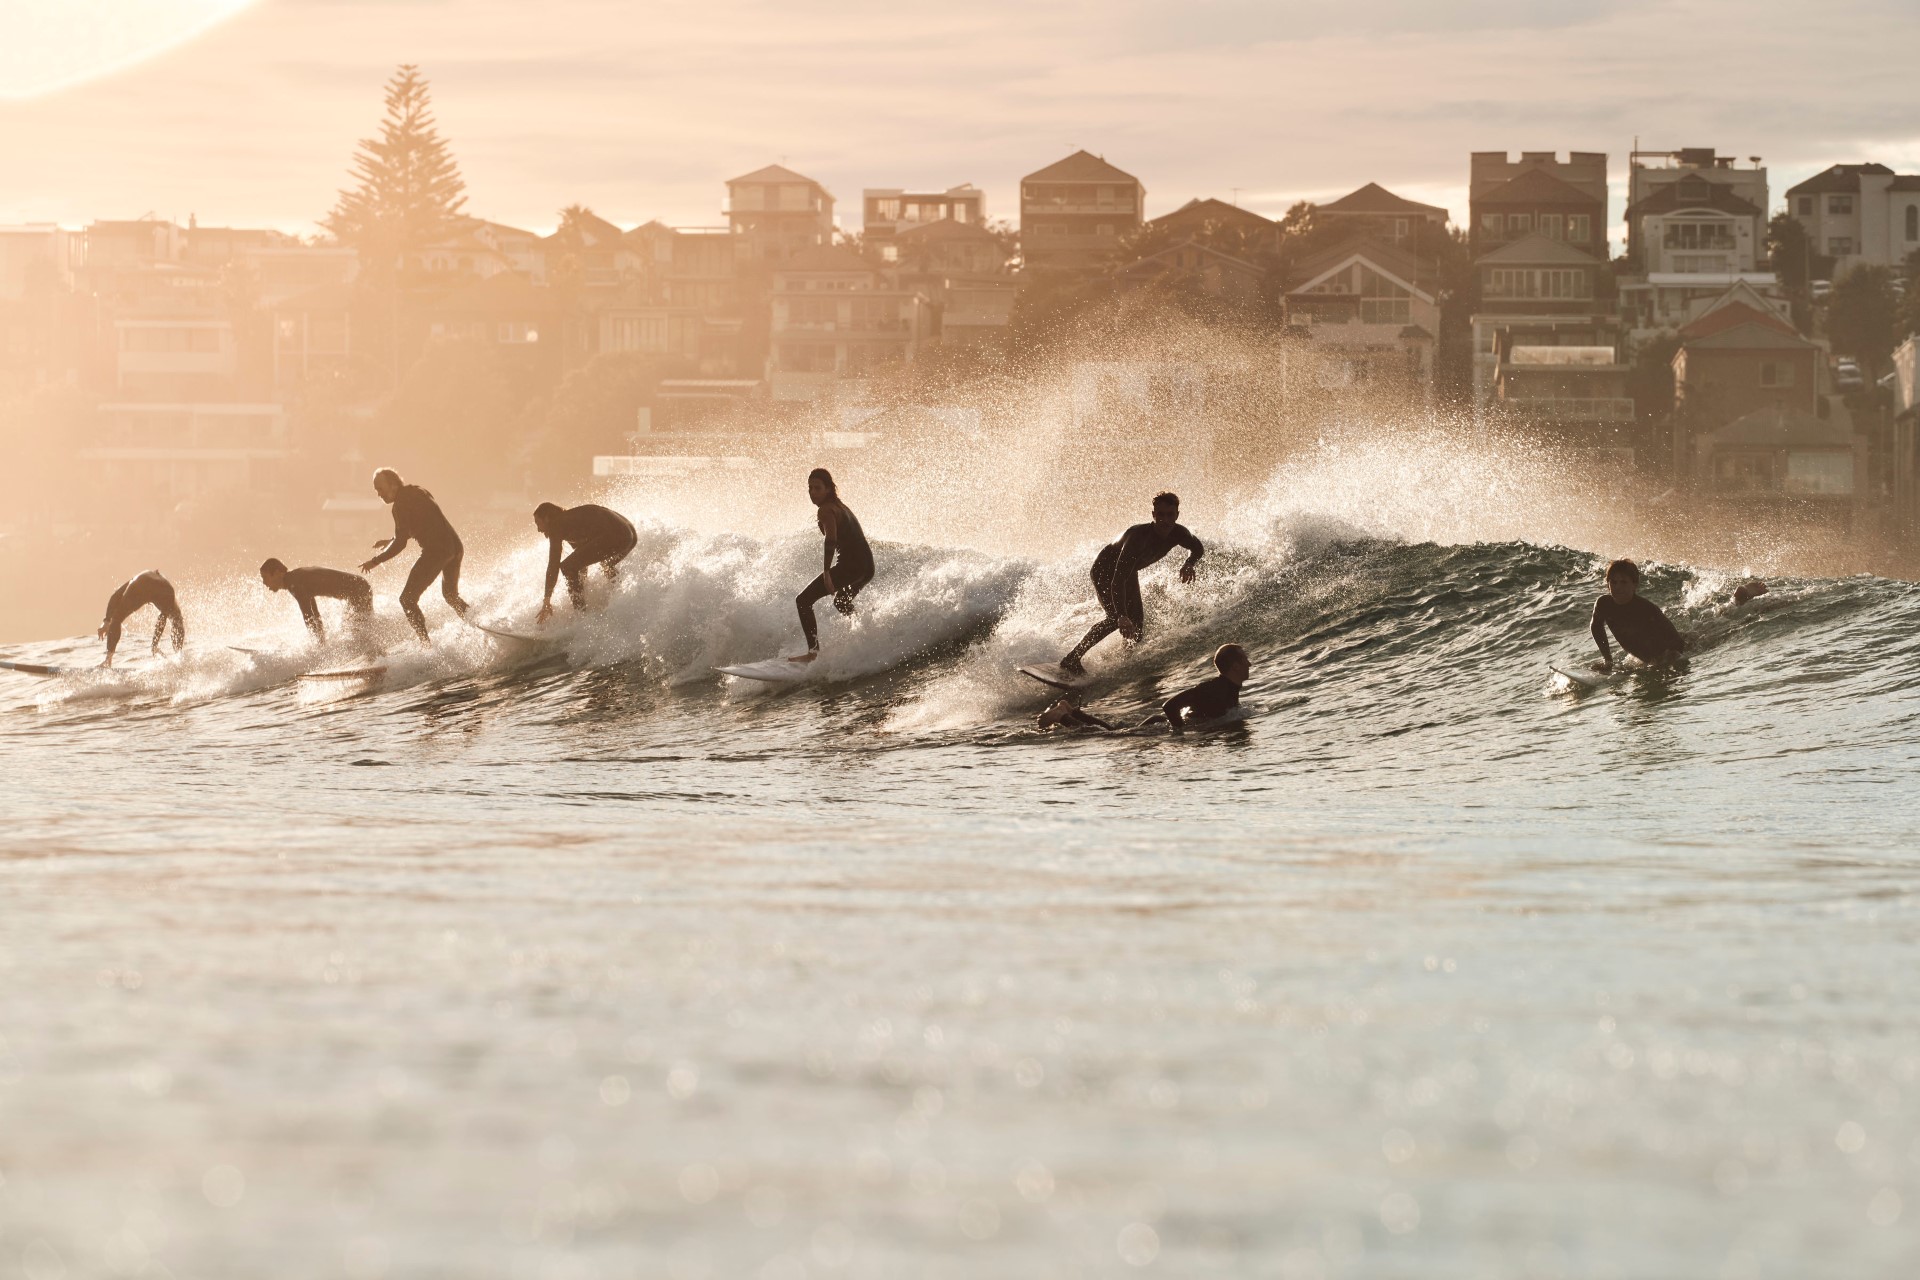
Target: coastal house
(778,213)
(1204,216)
(835,315)
(1781,456)
(1738,358)
(889,212)
(1074,211)
(1195,268)
(1538,194)
(1858,214)
(1378,213)
(1537,291)
(1371,308)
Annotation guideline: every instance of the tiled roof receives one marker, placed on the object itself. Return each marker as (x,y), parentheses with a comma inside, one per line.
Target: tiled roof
(1688,194)
(1726,317)
(772,173)
(1212,210)
(1836,178)
(1081,166)
(1748,335)
(1374,198)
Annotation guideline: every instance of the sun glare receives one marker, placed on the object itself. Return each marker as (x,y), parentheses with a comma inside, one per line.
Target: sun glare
(55,44)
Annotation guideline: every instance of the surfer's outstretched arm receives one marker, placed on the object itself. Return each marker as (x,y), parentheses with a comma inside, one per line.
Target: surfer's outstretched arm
(1600,632)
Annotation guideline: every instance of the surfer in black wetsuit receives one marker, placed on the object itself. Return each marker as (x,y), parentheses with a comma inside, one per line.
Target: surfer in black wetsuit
(1116,575)
(417,517)
(599,536)
(137,593)
(307,583)
(848,564)
(1208,700)
(1636,622)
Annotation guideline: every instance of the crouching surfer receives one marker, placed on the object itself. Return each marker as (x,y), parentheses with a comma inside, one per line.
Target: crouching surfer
(308,583)
(135,594)
(848,563)
(1636,622)
(600,535)
(1206,701)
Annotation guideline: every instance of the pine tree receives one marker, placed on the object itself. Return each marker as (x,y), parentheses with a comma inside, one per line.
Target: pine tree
(409,186)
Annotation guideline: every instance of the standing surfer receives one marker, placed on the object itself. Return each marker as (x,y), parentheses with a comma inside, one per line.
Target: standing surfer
(840,578)
(417,517)
(1116,575)
(1636,622)
(139,591)
(309,582)
(599,536)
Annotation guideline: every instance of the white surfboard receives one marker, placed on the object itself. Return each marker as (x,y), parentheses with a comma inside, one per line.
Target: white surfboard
(1582,678)
(35,668)
(504,633)
(1051,673)
(771,671)
(356,673)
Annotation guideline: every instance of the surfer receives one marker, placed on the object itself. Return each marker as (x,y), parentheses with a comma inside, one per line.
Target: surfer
(599,536)
(1208,700)
(1751,589)
(143,589)
(308,582)
(417,517)
(1636,621)
(841,577)
(1116,575)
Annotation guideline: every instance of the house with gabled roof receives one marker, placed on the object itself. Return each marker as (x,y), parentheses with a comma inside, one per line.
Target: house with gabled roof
(1858,214)
(1779,455)
(1375,211)
(1075,211)
(778,213)
(1737,358)
(1370,305)
(1537,291)
(1199,216)
(1198,268)
(1693,226)
(1539,195)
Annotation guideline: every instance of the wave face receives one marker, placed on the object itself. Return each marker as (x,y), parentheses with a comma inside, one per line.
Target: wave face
(1425,968)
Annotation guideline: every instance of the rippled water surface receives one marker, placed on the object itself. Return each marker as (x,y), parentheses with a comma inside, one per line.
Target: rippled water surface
(577,962)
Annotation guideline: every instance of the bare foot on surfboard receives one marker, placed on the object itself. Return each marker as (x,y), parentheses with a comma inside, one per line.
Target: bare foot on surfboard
(808,656)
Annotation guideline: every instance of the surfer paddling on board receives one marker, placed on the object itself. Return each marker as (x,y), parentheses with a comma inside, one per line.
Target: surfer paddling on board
(418,518)
(1116,575)
(599,536)
(1208,700)
(848,564)
(1636,622)
(307,583)
(137,593)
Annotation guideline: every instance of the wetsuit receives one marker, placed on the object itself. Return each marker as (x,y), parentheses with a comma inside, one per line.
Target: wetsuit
(598,535)
(307,583)
(1208,700)
(418,517)
(852,570)
(1116,578)
(1638,625)
(141,590)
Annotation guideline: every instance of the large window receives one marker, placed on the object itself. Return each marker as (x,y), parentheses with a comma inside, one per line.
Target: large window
(1386,311)
(1805,206)
(1553,226)
(1839,204)
(1492,223)
(1699,235)
(1532,282)
(1579,227)
(1518,224)
(1839,246)
(1825,472)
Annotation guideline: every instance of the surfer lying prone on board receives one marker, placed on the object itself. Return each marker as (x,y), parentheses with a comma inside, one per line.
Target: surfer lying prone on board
(1636,622)
(137,593)
(1208,700)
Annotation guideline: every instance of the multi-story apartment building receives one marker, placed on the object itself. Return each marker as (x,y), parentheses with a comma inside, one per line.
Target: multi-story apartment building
(1701,215)
(1539,291)
(888,212)
(1377,212)
(1858,214)
(1539,194)
(778,213)
(835,315)
(1074,211)
(1650,172)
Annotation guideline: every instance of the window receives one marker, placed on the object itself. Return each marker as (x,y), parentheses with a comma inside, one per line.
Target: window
(1524,282)
(1553,226)
(1806,206)
(1776,373)
(1839,204)
(1399,228)
(1819,473)
(1839,246)
(1386,311)
(886,211)
(1519,223)
(890,253)
(1579,227)
(1913,222)
(1491,223)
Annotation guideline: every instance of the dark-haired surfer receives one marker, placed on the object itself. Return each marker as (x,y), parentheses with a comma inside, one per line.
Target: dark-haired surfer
(599,536)
(1636,622)
(848,563)
(417,517)
(1208,700)
(307,583)
(1116,575)
(135,594)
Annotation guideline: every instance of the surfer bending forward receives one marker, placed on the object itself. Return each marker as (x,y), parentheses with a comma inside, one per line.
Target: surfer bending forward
(1636,621)
(599,536)
(417,517)
(1116,575)
(840,577)
(309,582)
(137,593)
(1208,700)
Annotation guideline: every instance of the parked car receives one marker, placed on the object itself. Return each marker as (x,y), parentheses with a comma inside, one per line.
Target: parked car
(1820,290)
(1846,376)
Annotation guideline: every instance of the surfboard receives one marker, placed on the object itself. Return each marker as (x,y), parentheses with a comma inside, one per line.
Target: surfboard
(1581,678)
(356,673)
(771,671)
(1051,673)
(34,668)
(504,634)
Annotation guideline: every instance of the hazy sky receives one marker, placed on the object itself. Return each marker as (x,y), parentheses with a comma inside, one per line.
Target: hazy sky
(643,108)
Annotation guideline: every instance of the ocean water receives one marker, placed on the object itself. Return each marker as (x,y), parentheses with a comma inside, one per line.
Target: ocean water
(579,961)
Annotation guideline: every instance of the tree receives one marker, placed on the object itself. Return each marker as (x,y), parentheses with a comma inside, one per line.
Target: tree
(593,411)
(1862,317)
(1789,254)
(408,187)
(1650,382)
